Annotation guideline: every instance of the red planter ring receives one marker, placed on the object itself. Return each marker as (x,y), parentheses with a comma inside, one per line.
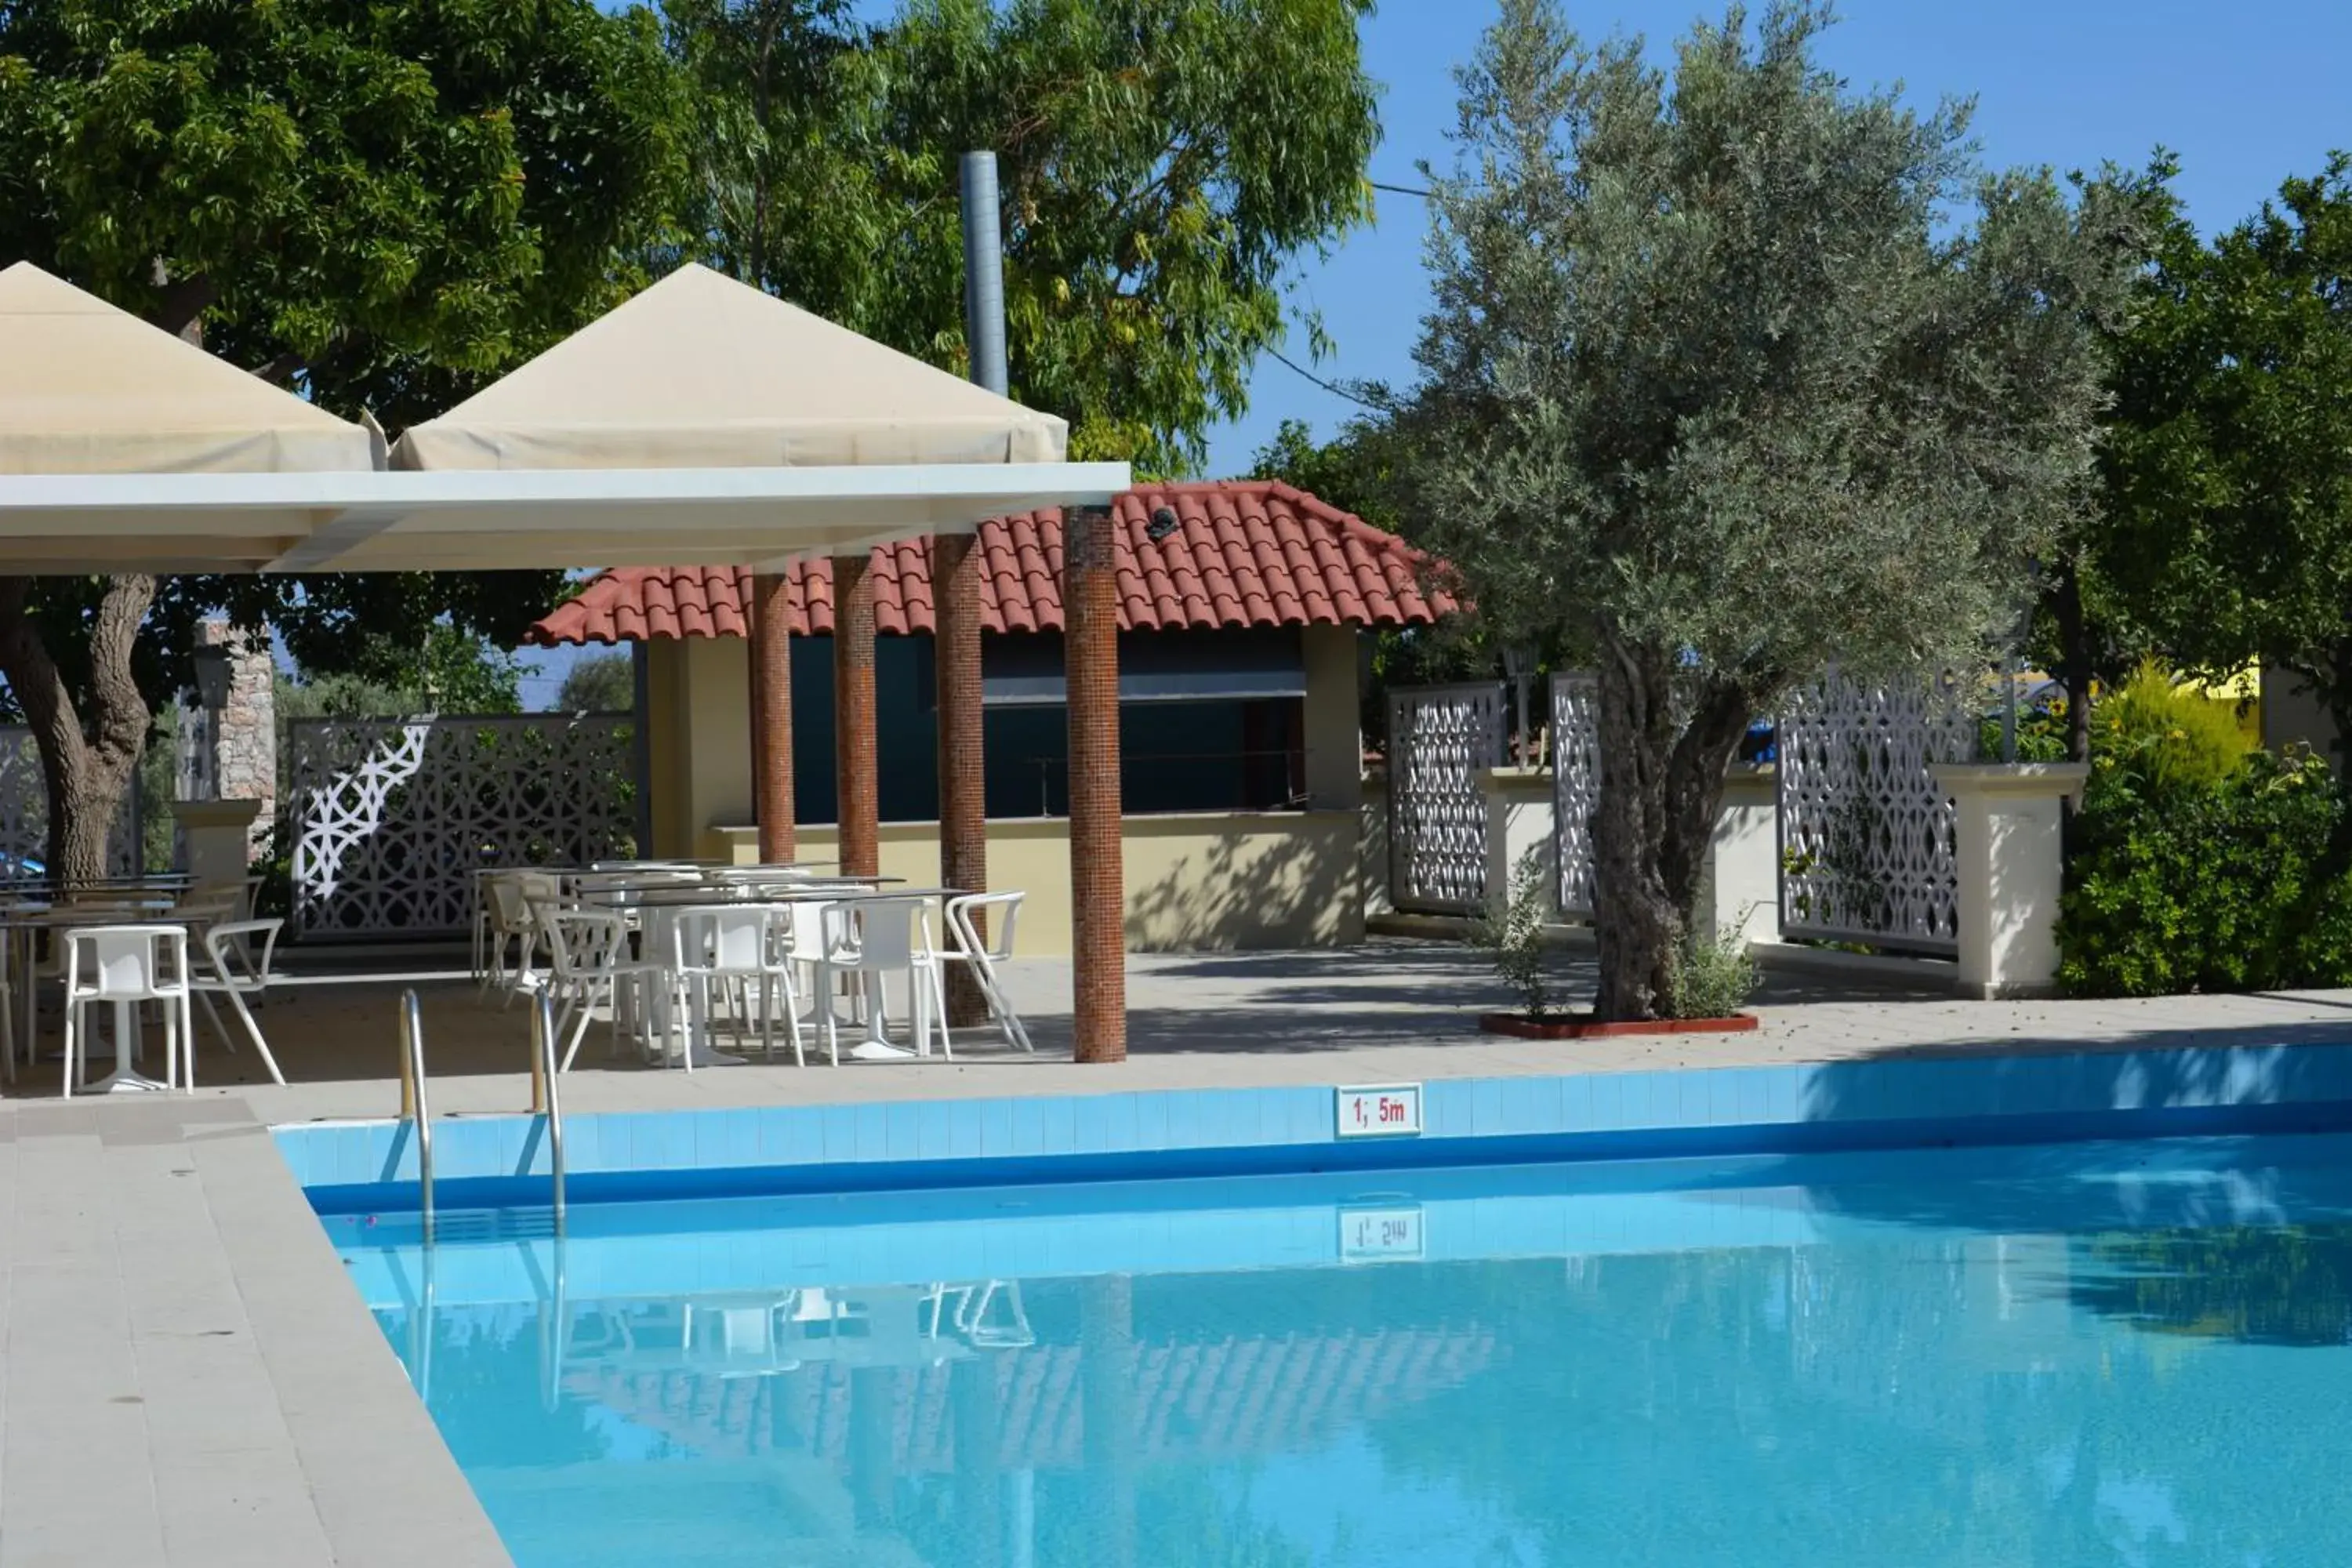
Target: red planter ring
(1522,1027)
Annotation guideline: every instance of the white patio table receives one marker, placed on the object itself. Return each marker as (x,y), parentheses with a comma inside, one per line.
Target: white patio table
(25,921)
(653,902)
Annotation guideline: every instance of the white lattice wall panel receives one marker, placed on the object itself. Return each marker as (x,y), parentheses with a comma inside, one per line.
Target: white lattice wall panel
(1576,781)
(25,813)
(393,816)
(1866,851)
(1441,738)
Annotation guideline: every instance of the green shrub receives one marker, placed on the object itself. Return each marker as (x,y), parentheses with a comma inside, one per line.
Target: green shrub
(2177,885)
(1714,977)
(1511,931)
(2164,736)
(2040,732)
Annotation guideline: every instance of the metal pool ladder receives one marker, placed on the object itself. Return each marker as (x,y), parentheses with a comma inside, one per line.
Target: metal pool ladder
(412,1106)
(546,1099)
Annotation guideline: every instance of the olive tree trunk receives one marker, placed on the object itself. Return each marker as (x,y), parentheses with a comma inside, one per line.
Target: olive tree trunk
(87,760)
(1664,756)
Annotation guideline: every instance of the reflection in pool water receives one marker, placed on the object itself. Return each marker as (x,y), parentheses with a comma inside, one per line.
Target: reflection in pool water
(2127,1354)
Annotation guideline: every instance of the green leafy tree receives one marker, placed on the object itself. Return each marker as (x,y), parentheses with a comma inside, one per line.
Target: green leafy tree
(1161,163)
(379,207)
(2229,535)
(1711,389)
(598,683)
(2080,630)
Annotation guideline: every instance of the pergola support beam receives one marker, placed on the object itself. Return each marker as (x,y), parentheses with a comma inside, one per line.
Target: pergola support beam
(963,803)
(772,719)
(857,777)
(1098,876)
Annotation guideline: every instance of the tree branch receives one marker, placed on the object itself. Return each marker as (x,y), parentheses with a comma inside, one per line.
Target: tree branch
(41,692)
(182,302)
(119,716)
(283,370)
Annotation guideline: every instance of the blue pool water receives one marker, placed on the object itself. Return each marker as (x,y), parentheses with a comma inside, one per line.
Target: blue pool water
(2129,1354)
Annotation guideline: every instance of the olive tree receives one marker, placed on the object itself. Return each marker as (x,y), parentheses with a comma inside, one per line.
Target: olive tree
(1731,372)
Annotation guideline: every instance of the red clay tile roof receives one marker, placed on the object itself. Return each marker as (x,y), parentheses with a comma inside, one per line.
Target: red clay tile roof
(1249,553)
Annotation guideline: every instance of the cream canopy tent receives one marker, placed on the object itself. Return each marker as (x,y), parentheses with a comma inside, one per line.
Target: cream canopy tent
(700,424)
(91,389)
(700,371)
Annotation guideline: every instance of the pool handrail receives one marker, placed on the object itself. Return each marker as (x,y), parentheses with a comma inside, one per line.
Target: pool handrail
(546,1097)
(413,1106)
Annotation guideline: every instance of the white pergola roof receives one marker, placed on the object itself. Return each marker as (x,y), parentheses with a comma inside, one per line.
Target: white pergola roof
(701,424)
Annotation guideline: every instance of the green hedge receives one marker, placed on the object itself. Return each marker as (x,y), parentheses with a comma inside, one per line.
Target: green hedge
(2179,885)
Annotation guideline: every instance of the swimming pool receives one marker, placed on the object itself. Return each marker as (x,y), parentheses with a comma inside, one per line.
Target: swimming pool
(2128,1354)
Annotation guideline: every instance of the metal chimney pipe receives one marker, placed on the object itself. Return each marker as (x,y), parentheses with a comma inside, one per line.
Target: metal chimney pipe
(983,272)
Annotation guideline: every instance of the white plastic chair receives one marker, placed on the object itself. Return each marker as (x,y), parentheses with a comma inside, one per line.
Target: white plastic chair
(240,956)
(127,966)
(514,926)
(588,954)
(478,922)
(729,946)
(874,937)
(984,956)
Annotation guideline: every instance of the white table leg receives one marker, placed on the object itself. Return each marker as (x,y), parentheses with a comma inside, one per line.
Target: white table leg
(699,1052)
(877,1047)
(126,1079)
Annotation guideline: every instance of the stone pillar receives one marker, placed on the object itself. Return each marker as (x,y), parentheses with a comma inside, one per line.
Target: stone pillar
(218,835)
(244,736)
(964,799)
(1097,895)
(1739,888)
(770,614)
(2008,840)
(857,766)
(1518,822)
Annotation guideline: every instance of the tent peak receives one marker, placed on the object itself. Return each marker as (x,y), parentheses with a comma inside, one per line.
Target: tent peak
(700,369)
(87,387)
(27,289)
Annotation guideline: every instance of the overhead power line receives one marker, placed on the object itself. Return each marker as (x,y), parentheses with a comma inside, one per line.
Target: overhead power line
(1334,388)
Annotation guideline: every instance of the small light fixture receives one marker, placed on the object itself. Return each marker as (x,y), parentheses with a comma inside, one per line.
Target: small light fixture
(213,671)
(1164,522)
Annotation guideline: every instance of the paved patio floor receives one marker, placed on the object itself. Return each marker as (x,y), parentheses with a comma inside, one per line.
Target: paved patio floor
(189,1380)
(1391,1010)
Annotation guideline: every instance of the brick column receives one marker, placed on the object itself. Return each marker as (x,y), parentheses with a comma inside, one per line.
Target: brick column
(1098,897)
(770,615)
(856,768)
(963,808)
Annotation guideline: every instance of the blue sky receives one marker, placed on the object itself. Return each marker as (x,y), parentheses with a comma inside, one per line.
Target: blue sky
(2246,93)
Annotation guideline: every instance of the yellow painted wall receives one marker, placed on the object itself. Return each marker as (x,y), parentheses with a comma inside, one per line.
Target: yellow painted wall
(1194,880)
(1334,739)
(1208,880)
(699,738)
